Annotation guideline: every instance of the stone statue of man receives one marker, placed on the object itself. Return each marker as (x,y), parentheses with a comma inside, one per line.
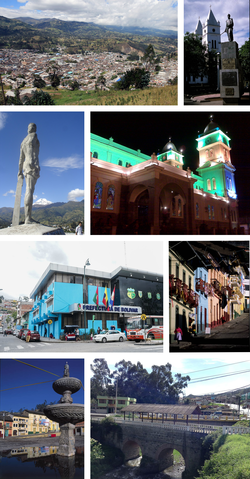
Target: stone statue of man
(29,168)
(229,28)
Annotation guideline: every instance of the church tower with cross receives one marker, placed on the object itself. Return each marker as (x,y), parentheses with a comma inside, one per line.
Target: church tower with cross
(209,32)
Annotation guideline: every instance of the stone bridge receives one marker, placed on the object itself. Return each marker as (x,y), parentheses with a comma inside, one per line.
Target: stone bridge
(157,442)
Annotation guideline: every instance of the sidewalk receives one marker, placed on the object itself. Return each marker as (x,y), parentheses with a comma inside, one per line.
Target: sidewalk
(231,336)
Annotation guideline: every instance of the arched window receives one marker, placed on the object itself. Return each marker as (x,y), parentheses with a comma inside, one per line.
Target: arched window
(230,184)
(110,198)
(95,154)
(214,183)
(209,212)
(173,207)
(212,212)
(179,207)
(97,203)
(208,184)
(197,210)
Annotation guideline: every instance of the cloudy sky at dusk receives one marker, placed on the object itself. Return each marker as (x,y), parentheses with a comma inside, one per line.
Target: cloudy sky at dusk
(239,11)
(160,14)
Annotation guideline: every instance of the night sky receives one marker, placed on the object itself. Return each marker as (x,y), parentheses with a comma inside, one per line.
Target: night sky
(150,131)
(16,374)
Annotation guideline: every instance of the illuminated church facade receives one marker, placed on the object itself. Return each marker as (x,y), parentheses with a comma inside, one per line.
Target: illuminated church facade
(132,193)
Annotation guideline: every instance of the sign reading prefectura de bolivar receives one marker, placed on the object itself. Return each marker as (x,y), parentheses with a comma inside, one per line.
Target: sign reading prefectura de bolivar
(114,309)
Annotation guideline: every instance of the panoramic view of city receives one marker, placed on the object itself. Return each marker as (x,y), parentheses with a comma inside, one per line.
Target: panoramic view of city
(124,239)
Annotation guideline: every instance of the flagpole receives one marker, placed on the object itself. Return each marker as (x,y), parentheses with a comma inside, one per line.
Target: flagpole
(87,263)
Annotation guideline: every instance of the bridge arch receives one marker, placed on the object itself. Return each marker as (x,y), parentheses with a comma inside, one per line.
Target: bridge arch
(131,450)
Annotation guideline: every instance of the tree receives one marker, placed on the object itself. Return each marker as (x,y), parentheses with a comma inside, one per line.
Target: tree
(101,378)
(195,58)
(54,79)
(244,55)
(101,80)
(149,55)
(158,386)
(38,98)
(74,85)
(38,82)
(137,78)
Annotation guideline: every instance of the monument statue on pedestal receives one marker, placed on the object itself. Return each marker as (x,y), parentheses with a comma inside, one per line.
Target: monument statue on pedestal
(28,168)
(229,28)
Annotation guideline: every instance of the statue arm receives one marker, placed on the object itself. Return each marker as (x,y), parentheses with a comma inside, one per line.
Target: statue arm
(21,161)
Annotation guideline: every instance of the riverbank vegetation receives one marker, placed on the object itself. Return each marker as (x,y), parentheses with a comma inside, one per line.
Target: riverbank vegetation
(229,458)
(104,458)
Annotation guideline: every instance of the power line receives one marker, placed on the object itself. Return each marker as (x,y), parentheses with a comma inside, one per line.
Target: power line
(31,365)
(26,385)
(216,367)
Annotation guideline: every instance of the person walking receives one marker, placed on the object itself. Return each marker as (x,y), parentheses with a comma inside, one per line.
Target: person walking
(45,332)
(79,229)
(178,334)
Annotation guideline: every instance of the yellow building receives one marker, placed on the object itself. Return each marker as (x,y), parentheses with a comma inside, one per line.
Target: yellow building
(38,423)
(20,425)
(182,298)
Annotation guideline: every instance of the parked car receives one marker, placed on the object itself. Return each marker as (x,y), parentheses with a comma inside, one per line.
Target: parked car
(8,331)
(34,335)
(112,335)
(20,332)
(69,332)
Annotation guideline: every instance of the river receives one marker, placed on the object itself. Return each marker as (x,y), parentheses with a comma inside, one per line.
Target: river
(130,471)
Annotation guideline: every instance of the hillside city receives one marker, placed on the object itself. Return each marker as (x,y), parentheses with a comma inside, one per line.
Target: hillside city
(19,66)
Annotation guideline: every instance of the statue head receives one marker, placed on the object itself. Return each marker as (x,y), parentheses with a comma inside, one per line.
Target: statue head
(32,128)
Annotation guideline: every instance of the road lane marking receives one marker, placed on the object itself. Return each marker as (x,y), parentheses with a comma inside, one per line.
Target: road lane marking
(20,347)
(6,348)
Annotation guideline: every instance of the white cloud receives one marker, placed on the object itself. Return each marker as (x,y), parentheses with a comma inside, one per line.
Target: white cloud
(10,192)
(74,195)
(3,119)
(63,164)
(146,13)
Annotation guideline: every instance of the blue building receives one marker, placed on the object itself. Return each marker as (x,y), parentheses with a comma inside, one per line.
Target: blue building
(59,299)
(201,279)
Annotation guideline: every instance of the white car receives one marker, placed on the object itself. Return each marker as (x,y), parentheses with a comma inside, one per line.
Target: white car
(112,335)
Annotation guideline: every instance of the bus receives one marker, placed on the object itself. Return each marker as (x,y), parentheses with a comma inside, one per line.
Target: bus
(138,329)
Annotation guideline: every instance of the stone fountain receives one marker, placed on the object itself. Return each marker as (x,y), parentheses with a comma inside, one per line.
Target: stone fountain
(66,413)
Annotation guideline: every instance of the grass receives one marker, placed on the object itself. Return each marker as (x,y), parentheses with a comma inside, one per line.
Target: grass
(229,460)
(151,96)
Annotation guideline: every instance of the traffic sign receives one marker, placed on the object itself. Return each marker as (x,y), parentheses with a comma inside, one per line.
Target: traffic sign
(50,321)
(143,317)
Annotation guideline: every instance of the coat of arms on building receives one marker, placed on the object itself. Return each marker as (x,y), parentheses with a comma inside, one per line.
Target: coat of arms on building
(131,293)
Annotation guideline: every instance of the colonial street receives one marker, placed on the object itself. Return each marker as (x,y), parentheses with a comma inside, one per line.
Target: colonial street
(11,344)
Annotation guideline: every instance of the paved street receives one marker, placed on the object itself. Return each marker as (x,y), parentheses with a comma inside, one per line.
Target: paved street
(229,337)
(11,344)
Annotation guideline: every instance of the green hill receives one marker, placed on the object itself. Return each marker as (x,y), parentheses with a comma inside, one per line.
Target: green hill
(45,34)
(62,214)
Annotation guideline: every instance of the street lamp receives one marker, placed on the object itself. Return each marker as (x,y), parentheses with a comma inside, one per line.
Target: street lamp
(87,263)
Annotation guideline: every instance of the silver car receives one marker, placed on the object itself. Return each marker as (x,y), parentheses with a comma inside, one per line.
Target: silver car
(112,335)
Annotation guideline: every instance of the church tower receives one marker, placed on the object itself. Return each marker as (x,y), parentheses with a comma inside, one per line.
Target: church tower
(211,33)
(215,165)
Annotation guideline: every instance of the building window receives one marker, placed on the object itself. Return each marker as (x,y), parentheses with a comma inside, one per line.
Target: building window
(225,213)
(98,195)
(212,212)
(170,265)
(177,270)
(95,154)
(173,207)
(197,210)
(209,212)
(110,198)
(120,162)
(189,282)
(184,276)
(208,184)
(214,183)
(179,207)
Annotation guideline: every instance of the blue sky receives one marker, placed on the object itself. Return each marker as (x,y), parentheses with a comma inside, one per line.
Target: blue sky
(239,11)
(16,374)
(61,155)
(160,14)
(203,367)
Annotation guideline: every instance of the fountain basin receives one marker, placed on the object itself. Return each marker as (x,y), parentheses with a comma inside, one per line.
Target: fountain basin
(65,413)
(67,384)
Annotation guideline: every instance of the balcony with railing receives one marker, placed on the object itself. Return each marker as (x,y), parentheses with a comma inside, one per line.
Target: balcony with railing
(182,291)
